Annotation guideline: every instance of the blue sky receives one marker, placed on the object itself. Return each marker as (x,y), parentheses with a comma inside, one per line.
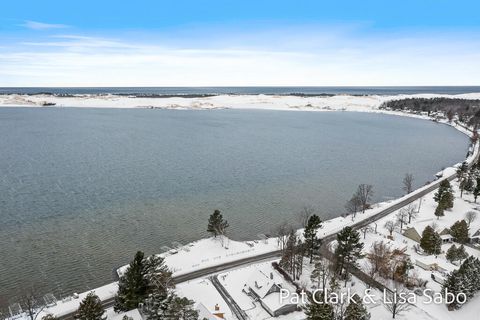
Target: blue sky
(212,43)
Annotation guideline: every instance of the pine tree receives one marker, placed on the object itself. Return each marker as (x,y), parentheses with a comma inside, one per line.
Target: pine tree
(461,253)
(444,195)
(356,310)
(132,286)
(465,280)
(454,284)
(216,224)
(452,254)
(439,211)
(90,308)
(312,242)
(318,311)
(431,242)
(348,250)
(459,231)
(181,309)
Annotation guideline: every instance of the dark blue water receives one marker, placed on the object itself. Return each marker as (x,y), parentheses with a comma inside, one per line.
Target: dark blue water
(249,90)
(82,189)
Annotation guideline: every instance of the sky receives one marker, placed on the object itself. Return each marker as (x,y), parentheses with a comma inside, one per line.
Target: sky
(239,43)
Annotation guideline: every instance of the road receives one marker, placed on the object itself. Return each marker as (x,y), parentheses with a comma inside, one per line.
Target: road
(239,313)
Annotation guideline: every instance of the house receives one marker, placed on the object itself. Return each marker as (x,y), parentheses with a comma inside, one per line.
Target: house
(204,313)
(430,266)
(412,234)
(446,238)
(265,287)
(476,237)
(425,265)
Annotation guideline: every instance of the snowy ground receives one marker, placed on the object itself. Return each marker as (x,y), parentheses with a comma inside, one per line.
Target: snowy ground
(426,217)
(267,102)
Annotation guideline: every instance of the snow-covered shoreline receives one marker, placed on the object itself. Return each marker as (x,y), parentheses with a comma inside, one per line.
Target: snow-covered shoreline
(263,102)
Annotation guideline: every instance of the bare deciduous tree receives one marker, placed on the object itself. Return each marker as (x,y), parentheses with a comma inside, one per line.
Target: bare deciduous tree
(401,217)
(321,272)
(364,195)
(353,206)
(411,212)
(31,303)
(408,183)
(282,232)
(379,258)
(365,229)
(394,304)
(390,226)
(470,216)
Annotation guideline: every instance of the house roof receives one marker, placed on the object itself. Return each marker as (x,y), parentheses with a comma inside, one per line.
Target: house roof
(204,313)
(134,314)
(444,232)
(261,283)
(412,233)
(274,302)
(476,234)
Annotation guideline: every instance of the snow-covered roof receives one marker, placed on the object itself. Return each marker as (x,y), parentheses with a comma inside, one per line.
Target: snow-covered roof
(134,314)
(204,313)
(476,234)
(446,236)
(273,301)
(261,283)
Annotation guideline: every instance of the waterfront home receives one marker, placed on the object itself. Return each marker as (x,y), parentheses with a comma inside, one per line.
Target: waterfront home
(265,288)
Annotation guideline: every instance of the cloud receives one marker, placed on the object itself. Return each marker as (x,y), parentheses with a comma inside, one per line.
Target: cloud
(309,57)
(35,25)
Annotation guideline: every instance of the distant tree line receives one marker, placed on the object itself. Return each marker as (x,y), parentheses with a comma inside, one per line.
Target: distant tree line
(468,110)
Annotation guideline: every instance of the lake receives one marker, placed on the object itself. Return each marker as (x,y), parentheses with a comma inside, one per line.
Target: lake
(81,190)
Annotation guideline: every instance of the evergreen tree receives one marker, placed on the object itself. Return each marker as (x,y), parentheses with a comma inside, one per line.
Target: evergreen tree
(216,224)
(465,280)
(356,310)
(49,317)
(454,284)
(461,253)
(476,190)
(452,254)
(348,250)
(463,185)
(431,242)
(459,231)
(318,311)
(312,242)
(444,195)
(90,309)
(181,309)
(132,286)
(439,211)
